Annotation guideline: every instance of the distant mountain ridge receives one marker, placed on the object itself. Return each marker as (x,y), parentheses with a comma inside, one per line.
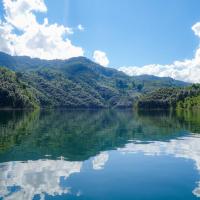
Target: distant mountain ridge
(81,83)
(27,63)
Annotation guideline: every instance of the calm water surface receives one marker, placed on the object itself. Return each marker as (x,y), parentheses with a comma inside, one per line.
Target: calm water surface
(99,155)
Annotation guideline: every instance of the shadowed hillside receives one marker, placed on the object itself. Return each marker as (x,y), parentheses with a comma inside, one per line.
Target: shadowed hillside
(79,83)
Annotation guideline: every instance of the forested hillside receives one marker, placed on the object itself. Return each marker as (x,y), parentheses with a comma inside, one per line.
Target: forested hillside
(13,92)
(166,98)
(75,83)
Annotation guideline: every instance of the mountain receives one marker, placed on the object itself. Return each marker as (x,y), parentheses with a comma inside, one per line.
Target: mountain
(175,98)
(80,83)
(13,92)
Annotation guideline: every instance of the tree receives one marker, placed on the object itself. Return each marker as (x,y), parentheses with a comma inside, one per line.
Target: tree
(140,87)
(121,84)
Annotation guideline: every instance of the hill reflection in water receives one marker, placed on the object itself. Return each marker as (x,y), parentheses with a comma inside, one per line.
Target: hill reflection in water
(42,152)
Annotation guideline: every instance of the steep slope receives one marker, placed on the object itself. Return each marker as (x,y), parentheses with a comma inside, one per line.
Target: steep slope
(79,88)
(166,98)
(74,66)
(151,82)
(13,92)
(81,83)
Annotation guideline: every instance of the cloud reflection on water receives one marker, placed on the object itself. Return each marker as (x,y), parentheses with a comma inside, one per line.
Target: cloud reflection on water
(183,147)
(42,177)
(35,178)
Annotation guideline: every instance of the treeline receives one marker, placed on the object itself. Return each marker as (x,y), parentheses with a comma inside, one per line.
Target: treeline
(171,98)
(56,88)
(83,86)
(189,103)
(13,92)
(73,83)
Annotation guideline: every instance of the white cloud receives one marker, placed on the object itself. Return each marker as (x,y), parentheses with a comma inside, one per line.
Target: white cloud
(47,41)
(196,28)
(186,70)
(80,27)
(19,13)
(100,58)
(6,38)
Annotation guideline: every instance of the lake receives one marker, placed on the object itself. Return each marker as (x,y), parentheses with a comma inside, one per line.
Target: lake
(99,155)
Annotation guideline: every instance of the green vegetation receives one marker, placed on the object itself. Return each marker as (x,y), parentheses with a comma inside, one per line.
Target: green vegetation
(13,92)
(189,103)
(73,83)
(167,98)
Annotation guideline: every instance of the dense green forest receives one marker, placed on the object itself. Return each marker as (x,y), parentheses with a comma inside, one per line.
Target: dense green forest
(13,92)
(73,83)
(175,98)
(189,103)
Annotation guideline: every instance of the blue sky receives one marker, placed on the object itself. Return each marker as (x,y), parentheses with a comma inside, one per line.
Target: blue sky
(130,32)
